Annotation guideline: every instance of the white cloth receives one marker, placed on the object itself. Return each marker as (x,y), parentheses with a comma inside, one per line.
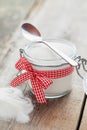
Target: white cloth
(14,105)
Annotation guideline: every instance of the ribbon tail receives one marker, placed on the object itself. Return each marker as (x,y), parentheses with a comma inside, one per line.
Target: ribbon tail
(38,92)
(19,79)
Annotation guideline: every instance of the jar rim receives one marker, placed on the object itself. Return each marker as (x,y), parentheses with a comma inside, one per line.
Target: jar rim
(50,62)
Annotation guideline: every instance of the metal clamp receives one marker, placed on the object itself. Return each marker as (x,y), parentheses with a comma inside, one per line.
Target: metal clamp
(82,62)
(21,52)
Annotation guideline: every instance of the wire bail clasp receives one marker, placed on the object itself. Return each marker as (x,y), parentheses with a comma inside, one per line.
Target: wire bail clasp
(21,52)
(82,62)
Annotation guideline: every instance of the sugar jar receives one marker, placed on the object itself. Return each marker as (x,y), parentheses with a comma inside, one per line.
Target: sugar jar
(60,72)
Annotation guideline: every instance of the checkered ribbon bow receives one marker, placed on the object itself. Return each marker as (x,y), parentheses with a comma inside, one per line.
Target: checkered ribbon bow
(40,80)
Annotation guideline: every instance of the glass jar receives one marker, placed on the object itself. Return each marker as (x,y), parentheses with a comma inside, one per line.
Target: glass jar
(43,58)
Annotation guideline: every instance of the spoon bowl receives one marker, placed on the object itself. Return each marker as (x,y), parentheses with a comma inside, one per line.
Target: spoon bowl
(34,34)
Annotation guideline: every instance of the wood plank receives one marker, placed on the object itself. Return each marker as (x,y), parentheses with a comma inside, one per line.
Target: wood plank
(4,125)
(58,114)
(11,14)
(83,125)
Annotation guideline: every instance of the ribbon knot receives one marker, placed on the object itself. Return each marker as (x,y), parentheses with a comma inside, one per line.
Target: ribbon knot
(38,80)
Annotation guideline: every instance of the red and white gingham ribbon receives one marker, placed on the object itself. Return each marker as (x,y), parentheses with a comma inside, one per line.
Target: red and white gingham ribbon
(40,80)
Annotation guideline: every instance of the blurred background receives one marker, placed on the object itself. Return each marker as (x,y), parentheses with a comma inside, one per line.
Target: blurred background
(12,12)
(68,18)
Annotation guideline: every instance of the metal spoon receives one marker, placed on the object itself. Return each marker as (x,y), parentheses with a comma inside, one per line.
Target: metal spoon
(32,34)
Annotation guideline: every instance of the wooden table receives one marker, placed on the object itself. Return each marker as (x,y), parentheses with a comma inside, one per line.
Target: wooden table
(53,19)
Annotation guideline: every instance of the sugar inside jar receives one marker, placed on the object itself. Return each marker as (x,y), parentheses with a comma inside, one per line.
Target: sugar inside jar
(60,72)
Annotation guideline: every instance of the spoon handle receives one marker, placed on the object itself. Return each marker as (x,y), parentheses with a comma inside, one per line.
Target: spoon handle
(60,53)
